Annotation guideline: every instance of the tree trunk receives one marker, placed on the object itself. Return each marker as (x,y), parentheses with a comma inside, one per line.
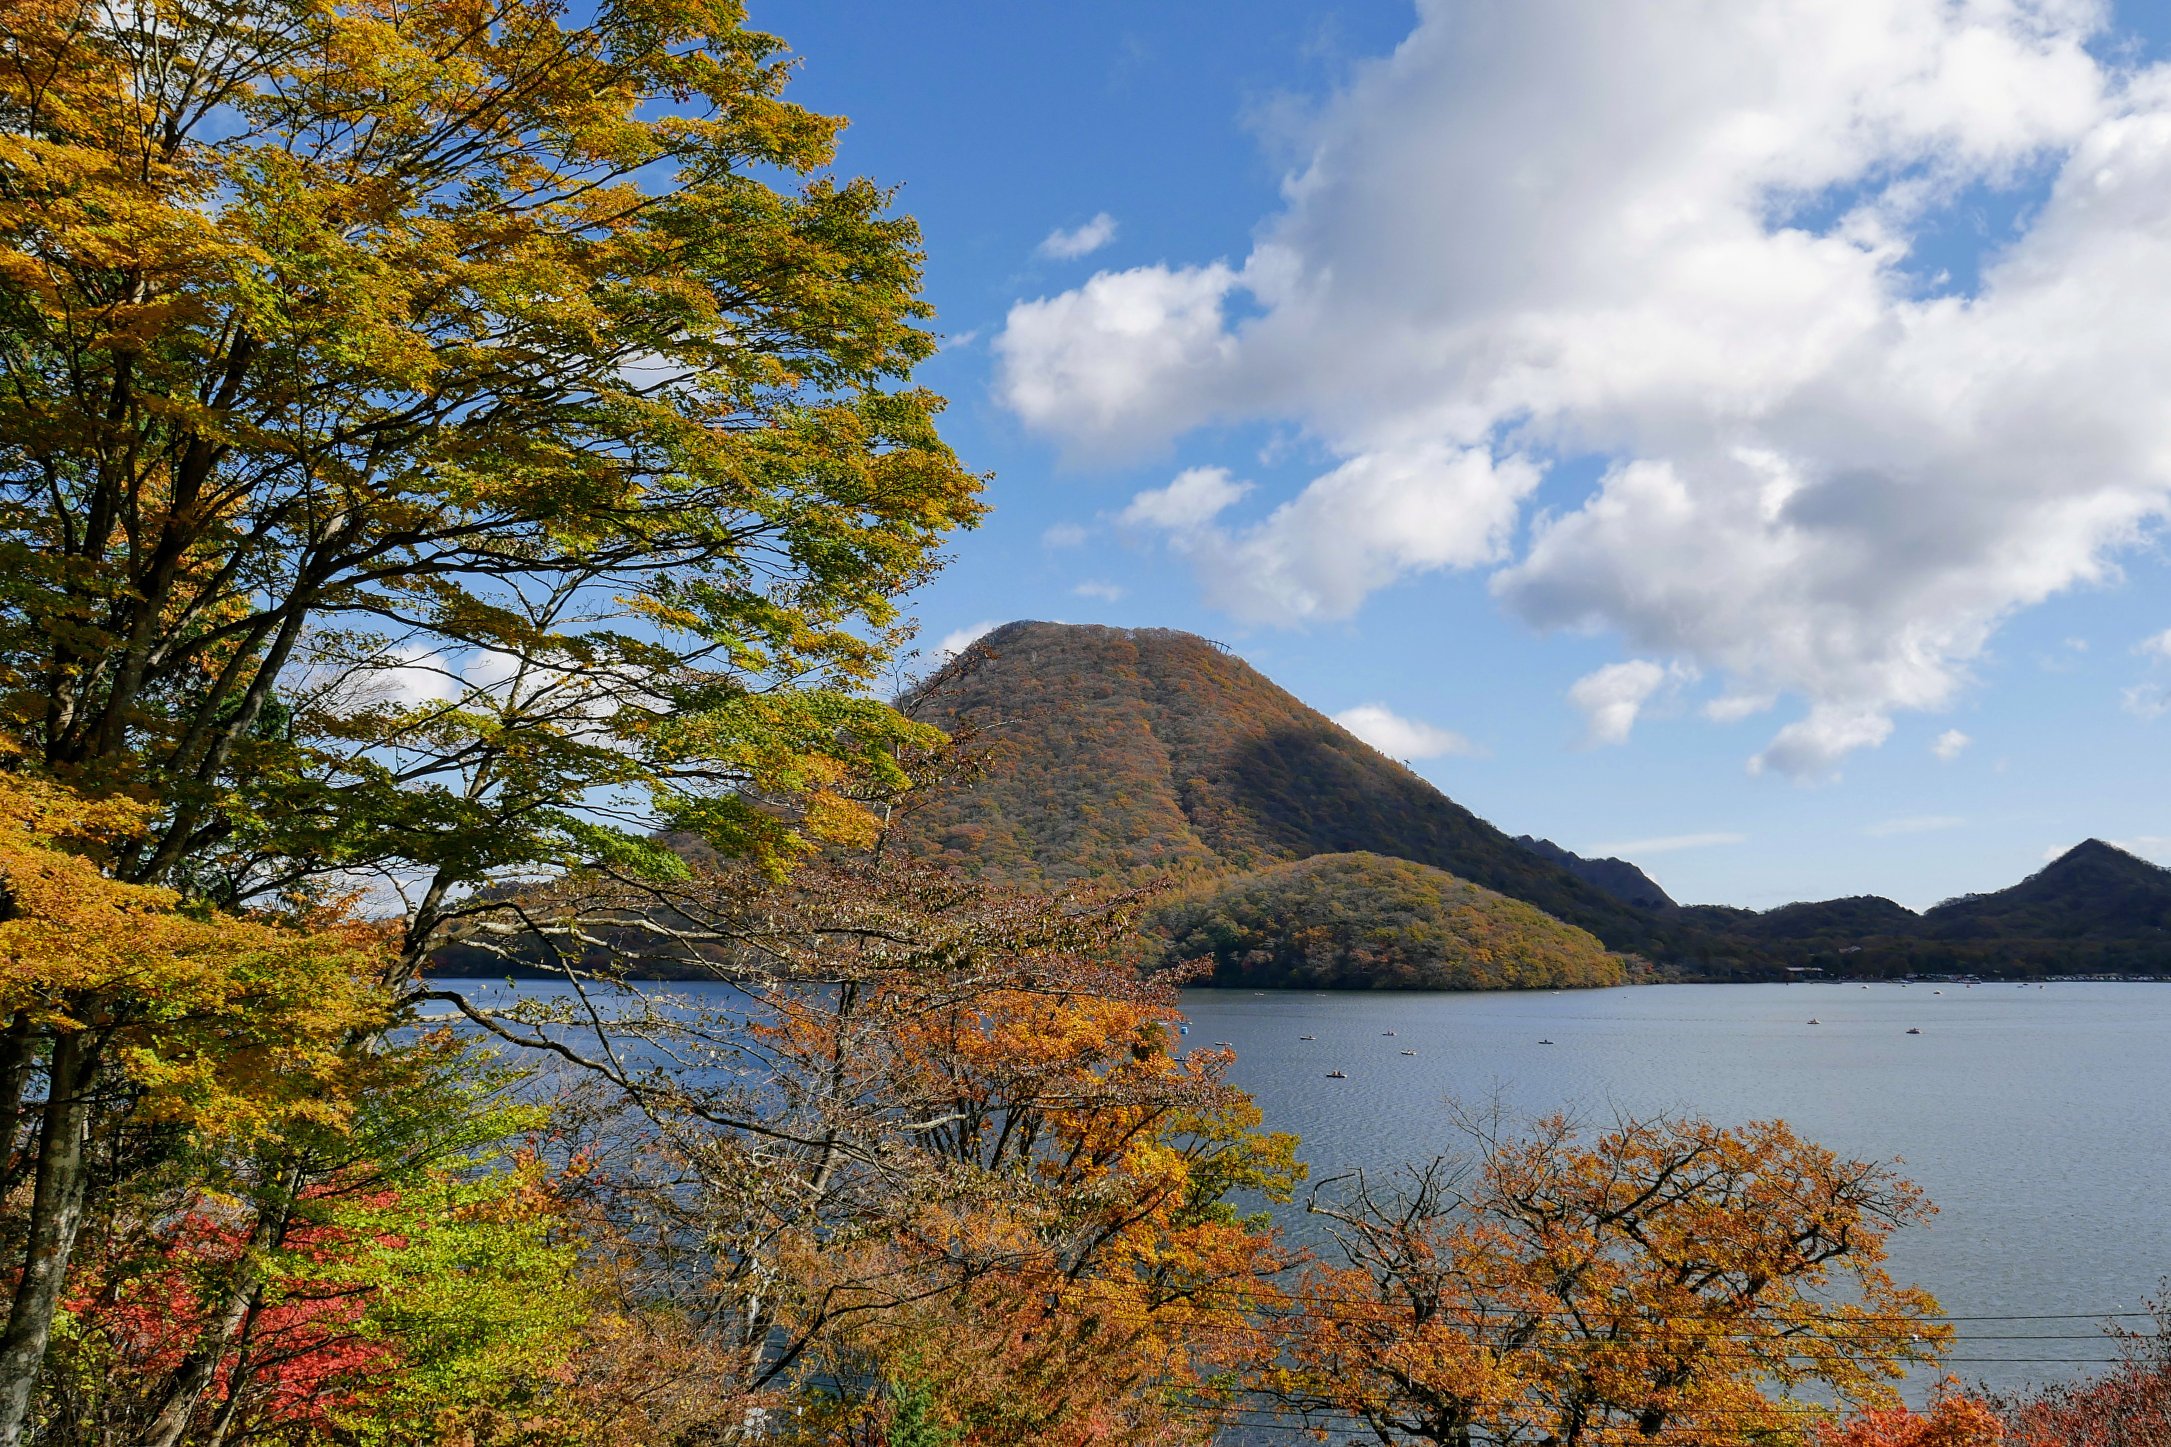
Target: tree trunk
(56,1211)
(18,1054)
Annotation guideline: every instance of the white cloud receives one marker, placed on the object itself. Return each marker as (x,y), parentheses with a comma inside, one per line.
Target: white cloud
(1094,588)
(957,640)
(1684,236)
(421,675)
(1108,354)
(2146,700)
(1194,499)
(1080,240)
(1810,749)
(1734,707)
(1949,745)
(1402,738)
(1369,522)
(1064,535)
(1611,697)
(2156,644)
(1630,849)
(1917,824)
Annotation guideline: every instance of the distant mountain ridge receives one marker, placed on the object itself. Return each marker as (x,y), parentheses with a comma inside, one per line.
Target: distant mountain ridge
(1617,877)
(1135,754)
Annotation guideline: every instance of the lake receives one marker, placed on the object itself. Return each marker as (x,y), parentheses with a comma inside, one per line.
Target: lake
(2036,1118)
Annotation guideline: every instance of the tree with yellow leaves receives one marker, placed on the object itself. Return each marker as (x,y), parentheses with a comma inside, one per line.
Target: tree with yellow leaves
(119,1002)
(446,439)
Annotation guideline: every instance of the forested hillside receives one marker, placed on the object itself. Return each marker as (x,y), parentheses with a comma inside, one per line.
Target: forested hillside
(1366,921)
(1129,753)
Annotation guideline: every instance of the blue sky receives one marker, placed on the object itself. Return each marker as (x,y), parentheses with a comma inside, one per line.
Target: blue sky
(1682,416)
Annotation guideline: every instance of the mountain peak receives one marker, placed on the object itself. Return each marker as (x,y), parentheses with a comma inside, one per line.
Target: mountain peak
(2098,852)
(1132,753)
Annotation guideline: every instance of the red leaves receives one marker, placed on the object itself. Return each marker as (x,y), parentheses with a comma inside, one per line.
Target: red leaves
(302,1358)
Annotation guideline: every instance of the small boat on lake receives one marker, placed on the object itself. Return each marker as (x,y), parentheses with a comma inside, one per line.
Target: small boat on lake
(1386,1032)
(1815,1021)
(1913,1031)
(1409,1052)
(1336,1075)
(1307,1037)
(1545,1042)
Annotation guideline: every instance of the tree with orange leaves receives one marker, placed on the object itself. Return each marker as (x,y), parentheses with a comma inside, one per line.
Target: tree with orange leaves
(943,1148)
(1953,1420)
(1650,1282)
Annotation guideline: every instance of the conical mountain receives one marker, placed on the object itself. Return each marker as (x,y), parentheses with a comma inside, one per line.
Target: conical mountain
(1126,753)
(2093,891)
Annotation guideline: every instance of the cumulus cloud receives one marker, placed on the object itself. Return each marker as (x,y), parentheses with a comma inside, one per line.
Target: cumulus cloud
(1369,522)
(1105,592)
(1810,749)
(1402,738)
(1101,364)
(2157,645)
(1666,844)
(1064,535)
(1611,697)
(957,640)
(1949,745)
(1195,498)
(1080,240)
(1687,238)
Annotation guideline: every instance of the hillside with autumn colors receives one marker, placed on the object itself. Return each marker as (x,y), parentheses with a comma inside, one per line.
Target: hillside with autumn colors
(1133,755)
(1340,921)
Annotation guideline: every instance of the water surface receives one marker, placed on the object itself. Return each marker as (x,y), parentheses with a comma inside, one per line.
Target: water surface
(2035,1118)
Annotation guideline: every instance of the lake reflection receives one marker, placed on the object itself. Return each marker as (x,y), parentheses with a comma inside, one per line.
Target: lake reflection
(2034,1117)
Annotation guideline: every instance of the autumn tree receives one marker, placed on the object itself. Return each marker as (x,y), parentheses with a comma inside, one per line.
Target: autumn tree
(942,1138)
(124,1009)
(1664,1280)
(2127,1406)
(446,439)
(1953,1420)
(439,442)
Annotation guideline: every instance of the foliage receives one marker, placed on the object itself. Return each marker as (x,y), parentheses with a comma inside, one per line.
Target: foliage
(436,437)
(240,1208)
(945,1138)
(1954,1420)
(1652,1282)
(2128,1406)
(1342,920)
(398,1300)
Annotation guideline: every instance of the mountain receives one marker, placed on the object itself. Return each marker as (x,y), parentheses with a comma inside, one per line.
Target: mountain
(1617,877)
(1129,754)
(1825,921)
(2094,909)
(1341,921)
(2092,892)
